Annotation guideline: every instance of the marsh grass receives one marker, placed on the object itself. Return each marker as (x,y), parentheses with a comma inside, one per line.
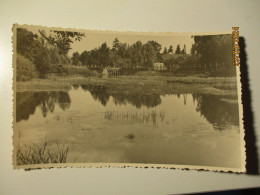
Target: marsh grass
(143,117)
(35,154)
(130,136)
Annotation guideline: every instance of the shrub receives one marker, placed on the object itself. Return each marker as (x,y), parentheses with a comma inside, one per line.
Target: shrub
(42,60)
(80,63)
(25,69)
(54,55)
(59,69)
(65,60)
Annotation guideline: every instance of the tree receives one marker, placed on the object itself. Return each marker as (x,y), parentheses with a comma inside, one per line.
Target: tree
(75,58)
(65,60)
(178,49)
(216,53)
(170,50)
(165,51)
(115,45)
(135,52)
(157,48)
(46,49)
(193,48)
(25,69)
(27,43)
(122,50)
(149,55)
(169,63)
(62,39)
(104,55)
(84,57)
(94,57)
(42,60)
(184,50)
(54,55)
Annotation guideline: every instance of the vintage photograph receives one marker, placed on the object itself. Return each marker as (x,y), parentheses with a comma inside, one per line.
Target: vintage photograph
(87,98)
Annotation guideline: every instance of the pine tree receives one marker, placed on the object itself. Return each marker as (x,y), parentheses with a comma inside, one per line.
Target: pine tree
(178,49)
(184,50)
(170,49)
(165,51)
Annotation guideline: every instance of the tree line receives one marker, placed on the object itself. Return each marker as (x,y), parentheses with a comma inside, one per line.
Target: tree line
(177,51)
(47,52)
(121,55)
(215,53)
(124,55)
(44,52)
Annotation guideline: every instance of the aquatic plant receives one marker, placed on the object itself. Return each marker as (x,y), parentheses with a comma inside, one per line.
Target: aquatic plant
(130,136)
(154,117)
(142,117)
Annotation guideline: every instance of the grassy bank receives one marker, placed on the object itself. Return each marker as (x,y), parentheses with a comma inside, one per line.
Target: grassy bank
(138,84)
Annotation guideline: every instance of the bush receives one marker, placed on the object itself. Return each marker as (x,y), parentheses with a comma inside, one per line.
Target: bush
(65,60)
(80,63)
(59,69)
(25,69)
(42,60)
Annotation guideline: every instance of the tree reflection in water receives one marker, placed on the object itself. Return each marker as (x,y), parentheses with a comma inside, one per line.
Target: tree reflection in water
(101,94)
(26,103)
(98,93)
(219,113)
(137,100)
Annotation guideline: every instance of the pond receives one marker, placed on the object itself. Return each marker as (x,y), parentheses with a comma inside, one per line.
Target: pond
(100,126)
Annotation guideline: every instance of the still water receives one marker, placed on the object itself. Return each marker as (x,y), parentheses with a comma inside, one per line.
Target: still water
(98,126)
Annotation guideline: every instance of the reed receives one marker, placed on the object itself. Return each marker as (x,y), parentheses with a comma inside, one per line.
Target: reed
(35,154)
(130,136)
(143,117)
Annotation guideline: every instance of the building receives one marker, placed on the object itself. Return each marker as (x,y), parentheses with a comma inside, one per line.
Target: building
(159,66)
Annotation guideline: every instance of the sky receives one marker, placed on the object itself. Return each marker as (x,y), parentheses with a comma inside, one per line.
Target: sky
(94,39)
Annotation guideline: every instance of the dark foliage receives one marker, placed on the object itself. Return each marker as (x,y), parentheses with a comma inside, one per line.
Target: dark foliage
(25,69)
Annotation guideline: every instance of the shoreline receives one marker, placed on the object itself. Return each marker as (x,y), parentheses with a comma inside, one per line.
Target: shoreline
(137,84)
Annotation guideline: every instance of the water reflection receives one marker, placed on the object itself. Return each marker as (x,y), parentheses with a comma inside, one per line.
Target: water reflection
(98,93)
(26,103)
(138,100)
(101,94)
(219,113)
(105,125)
(216,111)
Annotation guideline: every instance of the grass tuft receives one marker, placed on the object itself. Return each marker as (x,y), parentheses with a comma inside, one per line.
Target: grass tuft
(130,136)
(35,154)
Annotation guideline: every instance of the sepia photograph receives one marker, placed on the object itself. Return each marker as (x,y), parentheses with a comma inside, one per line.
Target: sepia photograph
(87,98)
